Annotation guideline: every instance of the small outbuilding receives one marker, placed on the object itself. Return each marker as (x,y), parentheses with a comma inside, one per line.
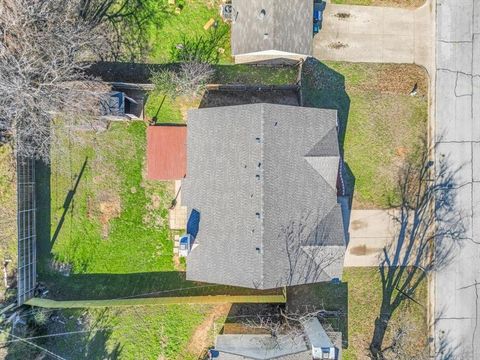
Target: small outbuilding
(166,152)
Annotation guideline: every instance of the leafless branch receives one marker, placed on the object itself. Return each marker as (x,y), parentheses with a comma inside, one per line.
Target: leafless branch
(43,48)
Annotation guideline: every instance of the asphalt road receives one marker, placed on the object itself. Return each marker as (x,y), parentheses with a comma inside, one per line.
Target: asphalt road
(457,129)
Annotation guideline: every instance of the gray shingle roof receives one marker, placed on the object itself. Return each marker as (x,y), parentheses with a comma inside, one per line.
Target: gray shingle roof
(283,347)
(261,347)
(268,218)
(287,23)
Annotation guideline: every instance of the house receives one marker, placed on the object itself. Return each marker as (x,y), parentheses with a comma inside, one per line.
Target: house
(313,343)
(261,181)
(271,29)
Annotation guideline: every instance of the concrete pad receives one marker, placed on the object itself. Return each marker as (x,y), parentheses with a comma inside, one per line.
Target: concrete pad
(398,49)
(177,216)
(370,232)
(376,34)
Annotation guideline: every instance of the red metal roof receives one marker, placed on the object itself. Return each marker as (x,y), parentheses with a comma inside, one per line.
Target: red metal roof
(166,152)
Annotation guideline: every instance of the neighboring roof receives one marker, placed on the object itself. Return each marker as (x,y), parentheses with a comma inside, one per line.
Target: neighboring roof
(166,152)
(283,347)
(268,217)
(287,23)
(316,334)
(262,347)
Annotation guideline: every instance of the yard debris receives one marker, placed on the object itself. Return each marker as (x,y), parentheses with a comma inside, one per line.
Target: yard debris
(63,268)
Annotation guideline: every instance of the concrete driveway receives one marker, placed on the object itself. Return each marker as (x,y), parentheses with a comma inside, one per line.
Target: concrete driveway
(377,34)
(370,232)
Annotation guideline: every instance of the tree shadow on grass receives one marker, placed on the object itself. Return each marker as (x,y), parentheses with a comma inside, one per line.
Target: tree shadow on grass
(62,335)
(45,240)
(136,285)
(43,196)
(427,202)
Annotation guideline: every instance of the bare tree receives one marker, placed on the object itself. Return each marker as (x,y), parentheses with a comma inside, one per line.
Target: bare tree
(43,48)
(314,251)
(279,323)
(190,79)
(428,228)
(125,24)
(401,347)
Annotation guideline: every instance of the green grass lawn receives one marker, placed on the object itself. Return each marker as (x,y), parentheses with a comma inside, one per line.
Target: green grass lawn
(394,3)
(8,201)
(255,75)
(115,222)
(144,332)
(380,123)
(359,297)
(187,23)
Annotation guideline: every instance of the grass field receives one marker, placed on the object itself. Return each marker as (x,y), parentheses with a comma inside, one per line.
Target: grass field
(8,216)
(141,332)
(106,218)
(393,3)
(188,23)
(380,122)
(359,297)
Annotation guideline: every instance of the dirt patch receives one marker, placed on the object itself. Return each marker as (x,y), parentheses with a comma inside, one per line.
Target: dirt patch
(109,207)
(203,336)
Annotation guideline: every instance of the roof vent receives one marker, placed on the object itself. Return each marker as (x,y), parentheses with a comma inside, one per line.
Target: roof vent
(265,36)
(262,14)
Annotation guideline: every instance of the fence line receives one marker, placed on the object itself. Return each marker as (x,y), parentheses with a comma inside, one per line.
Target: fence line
(211,299)
(26,229)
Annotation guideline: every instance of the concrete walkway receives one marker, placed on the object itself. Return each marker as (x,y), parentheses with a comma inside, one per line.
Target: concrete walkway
(377,34)
(370,232)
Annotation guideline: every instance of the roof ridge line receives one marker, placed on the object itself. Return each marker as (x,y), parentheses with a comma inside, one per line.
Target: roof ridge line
(305,157)
(329,210)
